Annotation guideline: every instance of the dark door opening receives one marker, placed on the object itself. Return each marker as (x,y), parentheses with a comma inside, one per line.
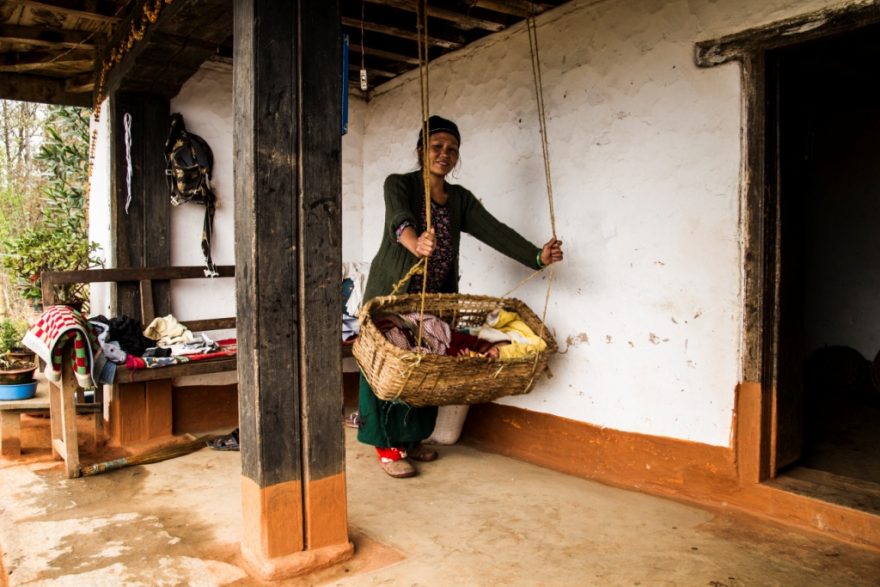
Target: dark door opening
(824,153)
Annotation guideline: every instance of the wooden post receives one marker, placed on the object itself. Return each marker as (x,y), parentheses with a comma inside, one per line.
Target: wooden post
(288,255)
(142,233)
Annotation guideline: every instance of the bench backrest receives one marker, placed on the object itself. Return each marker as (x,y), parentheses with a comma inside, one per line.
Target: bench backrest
(144,277)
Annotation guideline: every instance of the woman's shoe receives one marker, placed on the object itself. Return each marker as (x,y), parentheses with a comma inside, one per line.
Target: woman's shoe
(399,469)
(393,461)
(421,453)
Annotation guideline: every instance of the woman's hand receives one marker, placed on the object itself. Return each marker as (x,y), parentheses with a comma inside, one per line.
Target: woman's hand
(551,252)
(421,246)
(425,244)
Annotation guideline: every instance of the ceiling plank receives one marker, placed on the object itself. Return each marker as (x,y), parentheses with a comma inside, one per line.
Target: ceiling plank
(80,84)
(85,15)
(403,34)
(387,55)
(521,8)
(462,20)
(46,90)
(46,37)
(186,34)
(60,64)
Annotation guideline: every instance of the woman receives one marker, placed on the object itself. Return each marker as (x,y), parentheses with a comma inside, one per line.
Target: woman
(397,430)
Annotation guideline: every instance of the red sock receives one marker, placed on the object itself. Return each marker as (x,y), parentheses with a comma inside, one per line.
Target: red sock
(387,455)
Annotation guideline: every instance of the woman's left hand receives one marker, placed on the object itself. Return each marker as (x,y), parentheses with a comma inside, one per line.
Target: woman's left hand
(551,252)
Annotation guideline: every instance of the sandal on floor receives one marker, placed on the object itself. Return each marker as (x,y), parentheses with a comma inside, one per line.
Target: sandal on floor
(228,442)
(421,453)
(352,420)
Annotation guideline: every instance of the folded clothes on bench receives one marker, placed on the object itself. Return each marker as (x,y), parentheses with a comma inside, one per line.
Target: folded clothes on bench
(227,348)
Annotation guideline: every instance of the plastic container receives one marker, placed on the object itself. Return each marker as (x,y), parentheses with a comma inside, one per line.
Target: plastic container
(18,391)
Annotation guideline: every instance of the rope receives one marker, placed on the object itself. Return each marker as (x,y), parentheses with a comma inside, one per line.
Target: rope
(364,84)
(126,123)
(422,42)
(532,28)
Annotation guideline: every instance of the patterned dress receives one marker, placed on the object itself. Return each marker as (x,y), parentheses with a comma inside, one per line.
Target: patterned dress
(443,256)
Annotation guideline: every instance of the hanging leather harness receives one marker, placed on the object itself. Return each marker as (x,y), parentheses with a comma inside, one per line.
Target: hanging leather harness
(188,165)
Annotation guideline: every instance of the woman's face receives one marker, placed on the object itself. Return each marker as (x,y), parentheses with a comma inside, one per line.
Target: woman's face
(442,153)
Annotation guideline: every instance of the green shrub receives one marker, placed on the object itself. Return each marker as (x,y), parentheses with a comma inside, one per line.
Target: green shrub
(11,333)
(59,240)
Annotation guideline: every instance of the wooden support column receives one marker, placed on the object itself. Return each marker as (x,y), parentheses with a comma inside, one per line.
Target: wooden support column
(288,253)
(143,233)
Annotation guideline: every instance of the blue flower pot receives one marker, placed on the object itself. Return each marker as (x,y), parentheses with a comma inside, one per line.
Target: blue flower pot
(18,391)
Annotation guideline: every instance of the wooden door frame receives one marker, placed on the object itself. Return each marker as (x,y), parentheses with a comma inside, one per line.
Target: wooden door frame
(755,412)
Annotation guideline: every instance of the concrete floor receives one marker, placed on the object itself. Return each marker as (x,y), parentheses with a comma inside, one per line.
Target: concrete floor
(470,518)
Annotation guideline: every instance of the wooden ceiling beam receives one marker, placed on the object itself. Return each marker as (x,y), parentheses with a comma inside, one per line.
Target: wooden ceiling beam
(83,14)
(521,8)
(46,37)
(401,33)
(186,34)
(35,65)
(80,84)
(459,19)
(34,88)
(387,55)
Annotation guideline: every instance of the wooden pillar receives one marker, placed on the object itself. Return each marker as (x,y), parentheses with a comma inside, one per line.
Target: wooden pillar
(287,68)
(142,234)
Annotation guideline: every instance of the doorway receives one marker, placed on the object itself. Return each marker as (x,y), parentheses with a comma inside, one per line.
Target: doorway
(823,166)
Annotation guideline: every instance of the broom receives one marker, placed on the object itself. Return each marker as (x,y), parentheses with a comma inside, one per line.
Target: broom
(150,456)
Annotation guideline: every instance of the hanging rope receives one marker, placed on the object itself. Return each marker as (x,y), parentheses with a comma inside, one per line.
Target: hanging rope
(422,41)
(364,84)
(532,28)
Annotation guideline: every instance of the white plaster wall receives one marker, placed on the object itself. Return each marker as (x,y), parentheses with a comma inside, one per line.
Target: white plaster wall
(205,101)
(645,153)
(353,181)
(99,208)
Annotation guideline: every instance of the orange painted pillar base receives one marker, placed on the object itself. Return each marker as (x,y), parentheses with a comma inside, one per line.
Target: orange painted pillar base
(272,540)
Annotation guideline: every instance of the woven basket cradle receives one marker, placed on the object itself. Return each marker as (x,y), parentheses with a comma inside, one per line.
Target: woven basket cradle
(397,374)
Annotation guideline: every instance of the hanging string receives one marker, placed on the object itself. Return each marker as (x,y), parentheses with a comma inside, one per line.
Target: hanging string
(422,43)
(532,28)
(126,123)
(364,84)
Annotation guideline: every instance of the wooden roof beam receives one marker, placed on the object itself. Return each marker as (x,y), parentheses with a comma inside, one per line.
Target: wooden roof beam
(43,64)
(46,37)
(46,90)
(520,8)
(462,20)
(80,84)
(83,14)
(387,55)
(403,34)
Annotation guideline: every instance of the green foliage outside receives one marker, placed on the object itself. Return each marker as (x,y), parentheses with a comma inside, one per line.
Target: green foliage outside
(58,240)
(11,333)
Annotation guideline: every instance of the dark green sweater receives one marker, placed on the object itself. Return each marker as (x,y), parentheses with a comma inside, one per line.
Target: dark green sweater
(404,199)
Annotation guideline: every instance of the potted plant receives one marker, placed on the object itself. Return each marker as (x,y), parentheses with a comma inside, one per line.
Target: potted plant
(17,364)
(11,334)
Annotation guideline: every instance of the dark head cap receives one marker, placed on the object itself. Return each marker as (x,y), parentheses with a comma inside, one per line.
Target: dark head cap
(440,124)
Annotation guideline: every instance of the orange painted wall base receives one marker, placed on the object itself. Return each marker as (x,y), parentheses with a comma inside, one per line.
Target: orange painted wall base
(718,477)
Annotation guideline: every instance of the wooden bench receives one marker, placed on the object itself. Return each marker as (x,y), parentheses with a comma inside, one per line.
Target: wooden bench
(141,400)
